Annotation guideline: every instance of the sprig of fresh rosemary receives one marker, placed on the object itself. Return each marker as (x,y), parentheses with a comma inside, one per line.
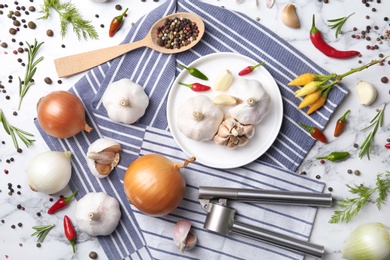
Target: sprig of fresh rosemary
(376,122)
(42,231)
(350,207)
(31,68)
(338,23)
(69,15)
(15,132)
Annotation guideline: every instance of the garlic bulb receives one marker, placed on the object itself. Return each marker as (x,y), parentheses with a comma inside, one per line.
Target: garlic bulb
(199,118)
(102,156)
(49,172)
(97,214)
(183,237)
(125,101)
(255,103)
(232,134)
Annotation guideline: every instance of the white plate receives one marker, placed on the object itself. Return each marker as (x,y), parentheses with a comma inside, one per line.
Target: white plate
(209,153)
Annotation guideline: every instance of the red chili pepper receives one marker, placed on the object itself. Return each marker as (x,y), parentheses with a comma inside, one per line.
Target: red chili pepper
(61,203)
(196,86)
(320,44)
(387,145)
(116,23)
(249,69)
(340,125)
(315,132)
(70,232)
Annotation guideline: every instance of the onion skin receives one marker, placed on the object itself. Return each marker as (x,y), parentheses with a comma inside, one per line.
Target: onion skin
(154,184)
(61,114)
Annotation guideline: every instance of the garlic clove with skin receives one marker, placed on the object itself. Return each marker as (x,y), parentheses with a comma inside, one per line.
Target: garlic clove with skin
(289,16)
(183,237)
(102,156)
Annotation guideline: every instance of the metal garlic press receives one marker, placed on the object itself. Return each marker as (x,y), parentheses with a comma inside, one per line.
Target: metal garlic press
(220,217)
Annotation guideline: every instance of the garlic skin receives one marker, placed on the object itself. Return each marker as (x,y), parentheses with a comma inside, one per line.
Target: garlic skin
(183,237)
(255,103)
(289,16)
(125,101)
(97,214)
(199,118)
(102,156)
(232,134)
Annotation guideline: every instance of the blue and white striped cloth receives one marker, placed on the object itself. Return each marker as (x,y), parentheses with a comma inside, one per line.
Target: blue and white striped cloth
(142,237)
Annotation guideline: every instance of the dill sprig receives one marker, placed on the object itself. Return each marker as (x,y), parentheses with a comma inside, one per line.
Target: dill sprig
(31,68)
(350,207)
(376,122)
(338,23)
(15,132)
(42,231)
(69,14)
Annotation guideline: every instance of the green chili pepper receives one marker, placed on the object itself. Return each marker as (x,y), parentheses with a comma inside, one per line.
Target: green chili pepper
(335,156)
(195,72)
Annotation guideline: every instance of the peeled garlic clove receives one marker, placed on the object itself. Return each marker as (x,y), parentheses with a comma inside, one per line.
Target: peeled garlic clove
(289,16)
(366,92)
(223,80)
(182,235)
(102,156)
(224,100)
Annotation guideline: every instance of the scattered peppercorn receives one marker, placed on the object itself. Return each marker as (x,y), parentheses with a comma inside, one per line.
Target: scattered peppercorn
(384,80)
(356,172)
(48,81)
(93,255)
(4,45)
(349,171)
(330,189)
(49,33)
(318,177)
(118,7)
(32,25)
(12,31)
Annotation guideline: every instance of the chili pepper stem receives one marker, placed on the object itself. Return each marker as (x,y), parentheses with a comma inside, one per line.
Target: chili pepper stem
(71,196)
(257,65)
(120,17)
(345,115)
(187,85)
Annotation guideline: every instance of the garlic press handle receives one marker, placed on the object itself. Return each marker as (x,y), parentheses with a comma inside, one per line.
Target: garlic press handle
(267,196)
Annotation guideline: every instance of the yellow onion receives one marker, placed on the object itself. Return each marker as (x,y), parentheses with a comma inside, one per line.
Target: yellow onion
(154,184)
(61,114)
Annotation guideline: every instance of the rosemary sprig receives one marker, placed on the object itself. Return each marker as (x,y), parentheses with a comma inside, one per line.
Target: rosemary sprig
(69,15)
(42,231)
(350,207)
(15,132)
(376,122)
(31,68)
(338,23)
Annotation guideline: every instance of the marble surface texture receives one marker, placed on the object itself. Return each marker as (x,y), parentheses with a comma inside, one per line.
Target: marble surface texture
(17,243)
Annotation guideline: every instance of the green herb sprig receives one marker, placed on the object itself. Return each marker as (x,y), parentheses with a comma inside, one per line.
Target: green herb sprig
(15,132)
(31,68)
(376,122)
(42,231)
(338,23)
(350,207)
(69,15)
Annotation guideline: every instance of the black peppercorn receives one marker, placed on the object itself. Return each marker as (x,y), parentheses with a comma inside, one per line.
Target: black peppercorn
(93,255)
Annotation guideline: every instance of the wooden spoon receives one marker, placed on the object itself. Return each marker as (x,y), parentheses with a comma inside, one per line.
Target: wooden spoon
(73,64)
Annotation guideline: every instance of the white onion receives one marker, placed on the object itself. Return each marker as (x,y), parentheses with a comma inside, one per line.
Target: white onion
(49,172)
(369,241)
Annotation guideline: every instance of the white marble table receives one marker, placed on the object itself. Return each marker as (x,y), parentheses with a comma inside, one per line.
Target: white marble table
(17,243)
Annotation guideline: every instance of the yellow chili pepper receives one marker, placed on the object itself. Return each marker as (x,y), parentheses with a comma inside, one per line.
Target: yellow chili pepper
(308,89)
(319,103)
(310,99)
(302,80)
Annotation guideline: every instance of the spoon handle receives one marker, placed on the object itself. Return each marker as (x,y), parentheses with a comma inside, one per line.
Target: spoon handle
(73,64)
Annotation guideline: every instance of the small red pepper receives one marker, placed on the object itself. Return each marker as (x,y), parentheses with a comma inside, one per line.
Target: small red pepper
(61,203)
(320,44)
(70,232)
(340,125)
(116,23)
(387,145)
(249,69)
(314,132)
(197,87)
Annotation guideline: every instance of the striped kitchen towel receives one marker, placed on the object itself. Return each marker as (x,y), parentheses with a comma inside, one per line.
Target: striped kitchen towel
(226,31)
